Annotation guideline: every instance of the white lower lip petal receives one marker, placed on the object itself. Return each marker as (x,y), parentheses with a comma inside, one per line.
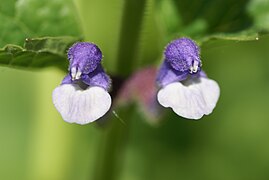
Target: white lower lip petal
(193,101)
(81,106)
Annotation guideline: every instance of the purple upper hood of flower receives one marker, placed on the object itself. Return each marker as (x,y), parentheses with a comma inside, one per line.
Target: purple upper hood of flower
(85,66)
(181,60)
(182,53)
(84,56)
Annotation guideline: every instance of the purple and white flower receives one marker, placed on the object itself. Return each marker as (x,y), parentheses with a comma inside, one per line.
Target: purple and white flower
(184,86)
(83,94)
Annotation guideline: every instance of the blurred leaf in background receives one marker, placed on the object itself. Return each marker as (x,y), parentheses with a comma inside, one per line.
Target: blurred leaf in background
(21,19)
(258,10)
(219,16)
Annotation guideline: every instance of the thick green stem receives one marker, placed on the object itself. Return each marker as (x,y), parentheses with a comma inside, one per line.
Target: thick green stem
(111,152)
(131,25)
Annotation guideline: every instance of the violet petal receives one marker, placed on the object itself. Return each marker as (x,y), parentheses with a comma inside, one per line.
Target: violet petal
(168,75)
(67,79)
(97,78)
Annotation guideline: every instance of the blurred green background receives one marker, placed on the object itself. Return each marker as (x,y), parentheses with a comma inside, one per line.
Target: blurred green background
(230,144)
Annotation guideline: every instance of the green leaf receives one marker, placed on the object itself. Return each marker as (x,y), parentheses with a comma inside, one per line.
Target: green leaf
(201,18)
(30,18)
(219,16)
(37,53)
(208,21)
(221,40)
(259,11)
(241,36)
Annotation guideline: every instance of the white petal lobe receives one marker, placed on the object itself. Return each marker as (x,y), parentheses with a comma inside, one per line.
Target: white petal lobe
(191,100)
(81,106)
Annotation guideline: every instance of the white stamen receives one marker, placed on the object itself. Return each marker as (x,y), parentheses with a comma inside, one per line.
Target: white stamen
(73,73)
(194,67)
(191,69)
(78,74)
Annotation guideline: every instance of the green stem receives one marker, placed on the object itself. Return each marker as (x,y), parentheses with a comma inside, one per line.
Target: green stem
(131,26)
(111,151)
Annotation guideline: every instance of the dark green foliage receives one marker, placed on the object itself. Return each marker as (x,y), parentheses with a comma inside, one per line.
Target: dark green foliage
(37,53)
